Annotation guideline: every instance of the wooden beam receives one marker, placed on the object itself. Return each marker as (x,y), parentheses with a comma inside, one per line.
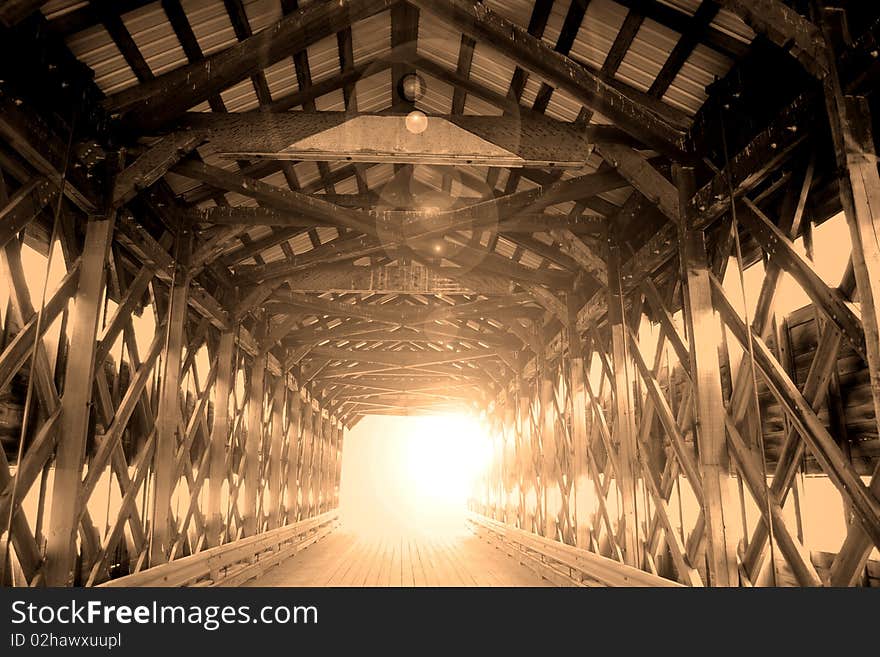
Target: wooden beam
(408,278)
(855,152)
(579,428)
(13,12)
(276,444)
(75,404)
(624,428)
(157,101)
(708,401)
(220,432)
(644,177)
(787,29)
(478,21)
(253,445)
(169,418)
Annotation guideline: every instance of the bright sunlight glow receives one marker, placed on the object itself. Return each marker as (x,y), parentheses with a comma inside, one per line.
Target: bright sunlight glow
(411,474)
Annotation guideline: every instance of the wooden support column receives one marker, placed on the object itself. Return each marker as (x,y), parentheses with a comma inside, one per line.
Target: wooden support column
(169,419)
(524,454)
(318,459)
(548,451)
(579,434)
(851,129)
(340,437)
(275,447)
(76,402)
(624,423)
(220,437)
(511,480)
(305,481)
(256,394)
(294,402)
(704,336)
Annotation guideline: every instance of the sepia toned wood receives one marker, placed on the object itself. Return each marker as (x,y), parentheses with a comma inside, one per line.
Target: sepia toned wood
(73,426)
(219,314)
(705,369)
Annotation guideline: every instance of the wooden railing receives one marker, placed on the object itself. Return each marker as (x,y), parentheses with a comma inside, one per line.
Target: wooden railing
(237,562)
(561,564)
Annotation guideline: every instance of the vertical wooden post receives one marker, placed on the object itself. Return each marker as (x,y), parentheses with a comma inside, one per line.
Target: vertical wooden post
(75,404)
(219,436)
(293,451)
(624,423)
(325,461)
(703,334)
(333,432)
(851,130)
(548,451)
(306,476)
(318,459)
(276,444)
(524,453)
(340,437)
(579,434)
(169,419)
(510,462)
(253,444)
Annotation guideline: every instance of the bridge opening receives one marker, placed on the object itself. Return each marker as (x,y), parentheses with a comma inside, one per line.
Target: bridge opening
(412,475)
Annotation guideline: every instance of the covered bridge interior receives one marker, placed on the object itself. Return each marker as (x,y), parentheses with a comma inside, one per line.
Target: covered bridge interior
(637,238)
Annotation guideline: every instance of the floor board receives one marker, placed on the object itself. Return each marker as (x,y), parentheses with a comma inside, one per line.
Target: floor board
(347,559)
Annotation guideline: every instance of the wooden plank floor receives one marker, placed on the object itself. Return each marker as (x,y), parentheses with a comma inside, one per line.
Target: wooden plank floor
(347,559)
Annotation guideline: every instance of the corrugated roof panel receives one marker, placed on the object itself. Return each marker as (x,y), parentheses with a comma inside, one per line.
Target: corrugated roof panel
(729,23)
(563,106)
(602,22)
(300,243)
(324,58)
(273,254)
(325,234)
(210,23)
(505,247)
(371,38)
(262,13)
(95,49)
(530,260)
(479,107)
(438,41)
(379,175)
(647,54)
(530,91)
(281,78)
(277,179)
(688,7)
(428,176)
(201,107)
(58,8)
(347,186)
(518,11)
(306,172)
(374,92)
(155,38)
(554,22)
(688,89)
(437,98)
(492,69)
(332,102)
(241,97)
